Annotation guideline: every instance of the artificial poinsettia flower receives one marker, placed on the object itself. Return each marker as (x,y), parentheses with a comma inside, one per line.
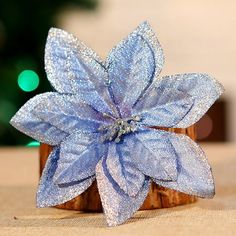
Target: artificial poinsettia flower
(100,118)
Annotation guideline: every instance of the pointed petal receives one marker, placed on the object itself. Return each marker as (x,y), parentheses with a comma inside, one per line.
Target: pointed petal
(69,113)
(27,121)
(132,66)
(118,206)
(51,194)
(179,90)
(123,171)
(194,172)
(79,155)
(152,153)
(74,68)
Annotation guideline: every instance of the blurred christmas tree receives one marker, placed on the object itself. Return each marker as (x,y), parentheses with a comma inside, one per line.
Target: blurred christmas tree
(23,30)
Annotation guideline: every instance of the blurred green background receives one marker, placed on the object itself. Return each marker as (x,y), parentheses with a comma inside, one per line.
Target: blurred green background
(23,30)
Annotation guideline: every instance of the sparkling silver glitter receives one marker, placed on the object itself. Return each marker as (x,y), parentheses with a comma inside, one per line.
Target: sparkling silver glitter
(99,121)
(119,128)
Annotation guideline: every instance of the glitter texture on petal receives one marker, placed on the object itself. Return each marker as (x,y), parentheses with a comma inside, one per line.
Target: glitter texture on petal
(27,121)
(74,68)
(118,206)
(194,172)
(69,113)
(51,194)
(152,153)
(201,88)
(123,170)
(166,115)
(132,65)
(79,155)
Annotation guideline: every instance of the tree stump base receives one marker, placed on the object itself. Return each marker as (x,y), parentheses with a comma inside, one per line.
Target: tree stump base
(158,197)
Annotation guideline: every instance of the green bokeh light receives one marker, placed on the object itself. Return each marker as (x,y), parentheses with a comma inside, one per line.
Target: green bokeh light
(33,144)
(28,80)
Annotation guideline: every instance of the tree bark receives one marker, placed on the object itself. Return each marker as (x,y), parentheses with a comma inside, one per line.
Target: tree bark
(158,197)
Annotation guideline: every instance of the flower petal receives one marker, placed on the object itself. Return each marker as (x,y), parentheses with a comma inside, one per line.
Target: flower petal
(132,66)
(118,206)
(152,153)
(166,115)
(27,121)
(74,68)
(51,194)
(194,172)
(179,89)
(69,113)
(123,171)
(79,155)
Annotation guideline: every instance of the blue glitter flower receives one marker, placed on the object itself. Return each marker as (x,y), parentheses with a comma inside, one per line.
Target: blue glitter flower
(100,122)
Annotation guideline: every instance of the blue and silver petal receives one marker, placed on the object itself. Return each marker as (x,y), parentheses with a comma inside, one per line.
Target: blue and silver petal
(28,122)
(117,205)
(49,192)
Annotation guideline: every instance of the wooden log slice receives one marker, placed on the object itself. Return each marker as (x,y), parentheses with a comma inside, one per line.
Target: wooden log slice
(158,197)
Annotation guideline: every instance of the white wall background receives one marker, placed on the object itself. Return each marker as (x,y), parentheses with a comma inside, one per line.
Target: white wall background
(197,36)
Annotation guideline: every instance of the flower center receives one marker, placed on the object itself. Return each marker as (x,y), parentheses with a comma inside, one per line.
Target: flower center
(119,128)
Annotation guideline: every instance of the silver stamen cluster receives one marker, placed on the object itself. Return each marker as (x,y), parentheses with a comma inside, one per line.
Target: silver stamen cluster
(118,128)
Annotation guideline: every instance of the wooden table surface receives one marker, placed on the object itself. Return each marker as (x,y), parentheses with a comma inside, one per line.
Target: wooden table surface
(18,215)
